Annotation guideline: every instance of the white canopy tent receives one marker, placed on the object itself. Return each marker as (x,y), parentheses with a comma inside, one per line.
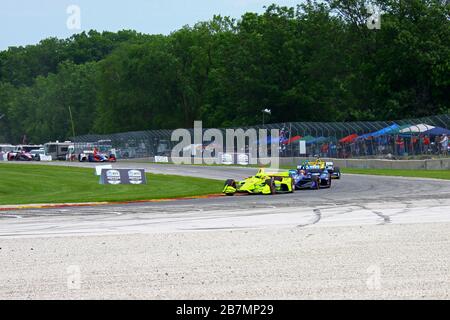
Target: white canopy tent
(418,128)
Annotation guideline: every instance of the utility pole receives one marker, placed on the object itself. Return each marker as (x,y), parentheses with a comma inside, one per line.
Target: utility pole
(268,111)
(73,126)
(73,131)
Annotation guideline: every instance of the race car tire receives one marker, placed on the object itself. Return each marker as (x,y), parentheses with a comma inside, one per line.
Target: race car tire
(338,171)
(271,184)
(316,181)
(82,158)
(230,182)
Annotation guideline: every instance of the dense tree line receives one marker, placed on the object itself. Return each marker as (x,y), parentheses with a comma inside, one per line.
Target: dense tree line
(316,62)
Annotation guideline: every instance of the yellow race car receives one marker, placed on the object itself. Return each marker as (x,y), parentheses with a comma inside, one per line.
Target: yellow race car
(261,183)
(319,164)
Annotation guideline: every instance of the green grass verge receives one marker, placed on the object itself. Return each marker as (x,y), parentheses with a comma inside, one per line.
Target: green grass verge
(436,174)
(34,184)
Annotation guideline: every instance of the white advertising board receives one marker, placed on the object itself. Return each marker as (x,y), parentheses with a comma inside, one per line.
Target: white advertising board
(242,159)
(45,158)
(161,159)
(302,147)
(226,158)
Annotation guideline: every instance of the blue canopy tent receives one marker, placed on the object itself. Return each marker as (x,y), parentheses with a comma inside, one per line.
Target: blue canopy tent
(437,131)
(386,130)
(381,132)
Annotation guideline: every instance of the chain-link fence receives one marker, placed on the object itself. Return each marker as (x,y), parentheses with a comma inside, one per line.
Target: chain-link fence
(376,139)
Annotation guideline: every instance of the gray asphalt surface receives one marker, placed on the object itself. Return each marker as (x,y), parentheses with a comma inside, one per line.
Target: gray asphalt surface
(330,243)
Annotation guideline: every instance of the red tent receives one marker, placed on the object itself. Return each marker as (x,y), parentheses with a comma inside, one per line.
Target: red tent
(293,139)
(349,138)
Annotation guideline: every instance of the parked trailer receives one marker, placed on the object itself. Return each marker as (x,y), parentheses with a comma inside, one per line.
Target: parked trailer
(59,150)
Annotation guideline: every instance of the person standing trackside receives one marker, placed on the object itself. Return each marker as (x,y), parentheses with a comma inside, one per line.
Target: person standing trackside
(426,144)
(444,144)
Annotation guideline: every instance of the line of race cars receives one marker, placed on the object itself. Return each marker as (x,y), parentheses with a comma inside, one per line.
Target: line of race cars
(35,155)
(309,175)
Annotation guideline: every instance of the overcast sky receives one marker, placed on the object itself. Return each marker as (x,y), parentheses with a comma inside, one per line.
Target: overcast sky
(25,22)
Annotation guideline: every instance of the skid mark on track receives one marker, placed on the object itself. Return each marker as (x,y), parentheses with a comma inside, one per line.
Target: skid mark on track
(386,219)
(316,219)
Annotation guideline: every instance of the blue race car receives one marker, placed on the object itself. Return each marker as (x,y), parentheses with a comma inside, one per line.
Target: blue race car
(310,177)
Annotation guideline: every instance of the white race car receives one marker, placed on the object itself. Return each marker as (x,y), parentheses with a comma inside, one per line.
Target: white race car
(334,171)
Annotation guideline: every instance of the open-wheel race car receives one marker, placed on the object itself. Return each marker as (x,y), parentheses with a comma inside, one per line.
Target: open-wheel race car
(322,165)
(19,156)
(310,178)
(261,183)
(95,156)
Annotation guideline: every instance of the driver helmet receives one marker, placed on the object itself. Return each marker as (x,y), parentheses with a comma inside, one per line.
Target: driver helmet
(260,173)
(301,170)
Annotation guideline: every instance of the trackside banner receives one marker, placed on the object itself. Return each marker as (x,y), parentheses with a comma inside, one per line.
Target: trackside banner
(123,176)
(234,158)
(161,159)
(45,158)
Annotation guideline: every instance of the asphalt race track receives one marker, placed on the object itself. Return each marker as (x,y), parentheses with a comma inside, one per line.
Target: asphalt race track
(366,237)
